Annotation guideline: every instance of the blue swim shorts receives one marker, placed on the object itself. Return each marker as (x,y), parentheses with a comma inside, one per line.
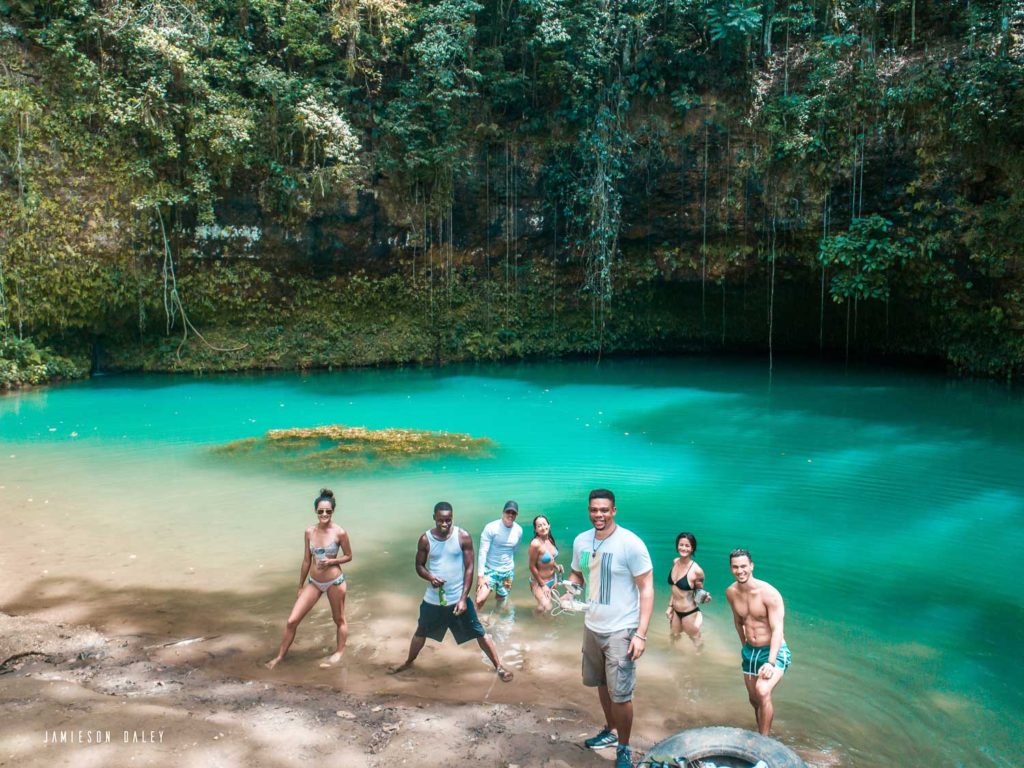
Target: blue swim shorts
(756,657)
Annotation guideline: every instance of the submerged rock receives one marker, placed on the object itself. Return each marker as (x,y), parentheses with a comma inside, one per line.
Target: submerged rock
(337,447)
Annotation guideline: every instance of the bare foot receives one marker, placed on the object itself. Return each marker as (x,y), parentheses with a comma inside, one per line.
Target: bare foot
(272,663)
(333,659)
(400,668)
(504,675)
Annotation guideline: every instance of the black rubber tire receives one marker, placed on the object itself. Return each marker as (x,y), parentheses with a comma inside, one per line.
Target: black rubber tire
(720,741)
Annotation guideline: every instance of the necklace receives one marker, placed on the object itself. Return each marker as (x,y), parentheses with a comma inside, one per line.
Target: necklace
(594,546)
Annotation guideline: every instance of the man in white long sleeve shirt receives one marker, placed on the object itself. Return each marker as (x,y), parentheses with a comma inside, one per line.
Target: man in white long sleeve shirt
(496,566)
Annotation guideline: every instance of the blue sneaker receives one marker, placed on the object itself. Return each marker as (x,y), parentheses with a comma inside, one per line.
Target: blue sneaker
(606,738)
(623,756)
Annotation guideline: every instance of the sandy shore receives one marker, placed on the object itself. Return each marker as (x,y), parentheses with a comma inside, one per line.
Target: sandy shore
(78,697)
(95,675)
(92,655)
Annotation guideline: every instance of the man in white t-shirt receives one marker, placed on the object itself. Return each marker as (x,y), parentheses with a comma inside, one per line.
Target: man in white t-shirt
(615,566)
(497,565)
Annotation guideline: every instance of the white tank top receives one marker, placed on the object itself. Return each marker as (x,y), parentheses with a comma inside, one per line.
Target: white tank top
(445,561)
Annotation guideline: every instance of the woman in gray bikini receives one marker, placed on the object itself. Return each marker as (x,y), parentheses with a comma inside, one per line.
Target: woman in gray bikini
(326,549)
(687,581)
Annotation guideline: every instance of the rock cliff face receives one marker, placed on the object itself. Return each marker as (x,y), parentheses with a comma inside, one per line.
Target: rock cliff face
(223,188)
(491,276)
(703,263)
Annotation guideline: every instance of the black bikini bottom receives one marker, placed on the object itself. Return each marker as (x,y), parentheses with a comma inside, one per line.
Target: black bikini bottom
(684,614)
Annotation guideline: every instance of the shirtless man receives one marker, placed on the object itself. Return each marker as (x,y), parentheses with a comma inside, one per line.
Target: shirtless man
(758,614)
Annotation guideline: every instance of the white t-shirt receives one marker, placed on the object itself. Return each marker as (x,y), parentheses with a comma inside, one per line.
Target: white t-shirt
(498,546)
(609,567)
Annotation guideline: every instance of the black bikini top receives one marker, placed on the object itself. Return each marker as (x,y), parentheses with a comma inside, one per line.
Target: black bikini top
(683,583)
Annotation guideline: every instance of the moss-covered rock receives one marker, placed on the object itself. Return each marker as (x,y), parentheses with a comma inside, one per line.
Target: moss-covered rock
(336,447)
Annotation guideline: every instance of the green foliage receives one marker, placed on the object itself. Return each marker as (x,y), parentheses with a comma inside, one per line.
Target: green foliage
(861,259)
(23,363)
(629,130)
(426,122)
(733,22)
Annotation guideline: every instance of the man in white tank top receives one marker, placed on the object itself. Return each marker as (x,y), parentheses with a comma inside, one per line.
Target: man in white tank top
(444,559)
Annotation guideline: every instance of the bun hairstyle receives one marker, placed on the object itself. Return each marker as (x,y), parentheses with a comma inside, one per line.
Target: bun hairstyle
(326,494)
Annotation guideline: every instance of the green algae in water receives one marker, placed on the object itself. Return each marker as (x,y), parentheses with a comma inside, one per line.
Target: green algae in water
(336,447)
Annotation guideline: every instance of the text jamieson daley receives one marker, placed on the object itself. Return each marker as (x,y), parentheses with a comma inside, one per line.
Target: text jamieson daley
(102,737)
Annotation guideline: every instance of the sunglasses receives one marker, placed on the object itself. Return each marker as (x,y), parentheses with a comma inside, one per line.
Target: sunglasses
(325,511)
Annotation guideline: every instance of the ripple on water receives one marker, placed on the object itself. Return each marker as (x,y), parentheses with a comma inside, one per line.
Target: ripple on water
(886,508)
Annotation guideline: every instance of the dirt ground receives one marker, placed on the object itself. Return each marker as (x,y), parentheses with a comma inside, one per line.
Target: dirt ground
(72,696)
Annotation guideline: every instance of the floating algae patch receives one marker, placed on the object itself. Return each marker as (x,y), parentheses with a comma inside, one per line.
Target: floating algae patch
(339,448)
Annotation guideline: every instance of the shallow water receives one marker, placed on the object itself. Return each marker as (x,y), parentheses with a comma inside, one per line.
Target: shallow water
(888,509)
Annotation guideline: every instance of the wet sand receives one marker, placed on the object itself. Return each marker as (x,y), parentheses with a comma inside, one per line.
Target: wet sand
(80,698)
(211,701)
(92,643)
(200,696)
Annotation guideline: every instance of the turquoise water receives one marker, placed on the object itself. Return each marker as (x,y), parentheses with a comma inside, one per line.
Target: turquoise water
(888,508)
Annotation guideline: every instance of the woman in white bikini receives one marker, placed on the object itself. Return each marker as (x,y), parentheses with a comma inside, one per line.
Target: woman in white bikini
(543,567)
(325,550)
(687,581)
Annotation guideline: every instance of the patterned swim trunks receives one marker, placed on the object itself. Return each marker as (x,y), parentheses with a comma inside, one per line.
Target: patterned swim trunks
(499,581)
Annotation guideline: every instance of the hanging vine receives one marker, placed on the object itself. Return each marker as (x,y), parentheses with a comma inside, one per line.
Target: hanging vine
(173,306)
(598,203)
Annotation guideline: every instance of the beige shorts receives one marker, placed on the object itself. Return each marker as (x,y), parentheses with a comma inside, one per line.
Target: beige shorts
(606,662)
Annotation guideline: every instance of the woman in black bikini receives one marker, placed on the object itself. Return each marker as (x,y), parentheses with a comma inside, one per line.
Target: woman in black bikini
(687,581)
(325,550)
